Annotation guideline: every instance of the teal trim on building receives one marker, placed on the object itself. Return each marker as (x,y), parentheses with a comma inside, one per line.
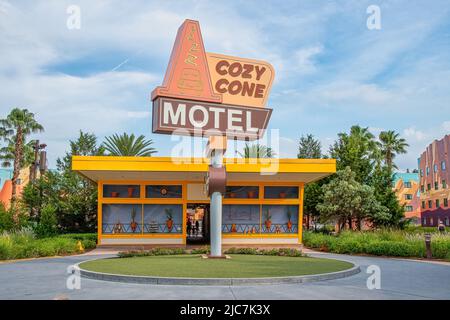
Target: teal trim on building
(406,177)
(5,174)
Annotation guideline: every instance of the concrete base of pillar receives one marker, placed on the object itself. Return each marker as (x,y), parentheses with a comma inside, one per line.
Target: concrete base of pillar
(207,256)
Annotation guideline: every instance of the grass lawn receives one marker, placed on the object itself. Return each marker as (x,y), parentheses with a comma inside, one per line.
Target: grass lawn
(239,266)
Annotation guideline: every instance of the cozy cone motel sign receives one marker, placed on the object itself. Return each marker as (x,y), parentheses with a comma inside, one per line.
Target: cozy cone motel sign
(212,95)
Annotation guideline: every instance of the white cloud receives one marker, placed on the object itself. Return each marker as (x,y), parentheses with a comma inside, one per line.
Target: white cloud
(412,134)
(304,59)
(356,93)
(64,104)
(446,126)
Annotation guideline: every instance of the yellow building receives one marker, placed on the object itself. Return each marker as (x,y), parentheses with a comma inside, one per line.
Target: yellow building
(146,200)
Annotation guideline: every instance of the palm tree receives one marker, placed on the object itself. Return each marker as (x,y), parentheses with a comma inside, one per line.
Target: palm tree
(7,153)
(14,130)
(257,151)
(127,145)
(390,145)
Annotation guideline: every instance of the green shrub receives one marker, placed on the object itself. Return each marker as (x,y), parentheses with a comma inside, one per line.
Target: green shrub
(89,244)
(6,220)
(420,229)
(80,236)
(204,250)
(23,244)
(152,252)
(288,252)
(173,251)
(241,251)
(440,248)
(47,225)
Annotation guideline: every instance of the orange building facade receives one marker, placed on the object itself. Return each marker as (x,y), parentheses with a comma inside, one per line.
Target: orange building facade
(406,186)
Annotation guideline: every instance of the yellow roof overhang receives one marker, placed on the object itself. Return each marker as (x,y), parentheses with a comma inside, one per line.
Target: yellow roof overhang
(112,168)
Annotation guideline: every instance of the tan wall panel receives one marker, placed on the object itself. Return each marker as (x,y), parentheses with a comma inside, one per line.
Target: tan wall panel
(195,192)
(260,240)
(141,241)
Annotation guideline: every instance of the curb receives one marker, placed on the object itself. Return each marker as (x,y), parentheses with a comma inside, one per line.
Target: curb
(215,281)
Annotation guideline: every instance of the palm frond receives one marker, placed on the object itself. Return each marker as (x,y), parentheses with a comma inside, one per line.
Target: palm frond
(128,145)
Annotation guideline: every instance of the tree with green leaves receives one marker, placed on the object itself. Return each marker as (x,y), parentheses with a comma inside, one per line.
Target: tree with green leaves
(309,148)
(73,197)
(357,150)
(257,151)
(390,144)
(346,201)
(381,181)
(129,145)
(14,129)
(85,145)
(313,195)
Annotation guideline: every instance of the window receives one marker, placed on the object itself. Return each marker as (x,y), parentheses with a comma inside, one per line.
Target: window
(443,167)
(447,221)
(163,218)
(422,188)
(281,192)
(121,191)
(436,185)
(279,219)
(424,221)
(430,204)
(408,196)
(241,219)
(437,203)
(163,191)
(19,181)
(431,221)
(421,172)
(423,204)
(121,218)
(444,184)
(427,170)
(429,186)
(408,184)
(241,192)
(435,167)
(445,202)
(409,208)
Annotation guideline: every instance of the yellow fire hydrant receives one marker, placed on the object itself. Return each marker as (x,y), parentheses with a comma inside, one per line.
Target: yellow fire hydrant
(80,247)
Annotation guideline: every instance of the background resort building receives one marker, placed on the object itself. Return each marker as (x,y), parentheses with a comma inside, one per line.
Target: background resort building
(6,184)
(406,186)
(434,178)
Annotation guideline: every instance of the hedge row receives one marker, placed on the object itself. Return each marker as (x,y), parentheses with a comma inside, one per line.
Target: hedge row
(205,250)
(380,243)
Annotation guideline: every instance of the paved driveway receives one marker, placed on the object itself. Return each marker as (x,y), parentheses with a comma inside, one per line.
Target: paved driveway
(400,279)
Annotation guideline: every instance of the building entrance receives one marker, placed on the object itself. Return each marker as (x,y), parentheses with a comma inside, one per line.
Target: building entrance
(197,224)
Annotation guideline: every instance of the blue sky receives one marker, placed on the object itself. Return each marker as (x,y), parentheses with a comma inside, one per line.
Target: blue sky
(331,70)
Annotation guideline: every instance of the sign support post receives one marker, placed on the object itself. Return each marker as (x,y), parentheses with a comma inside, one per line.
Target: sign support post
(216,182)
(216,210)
